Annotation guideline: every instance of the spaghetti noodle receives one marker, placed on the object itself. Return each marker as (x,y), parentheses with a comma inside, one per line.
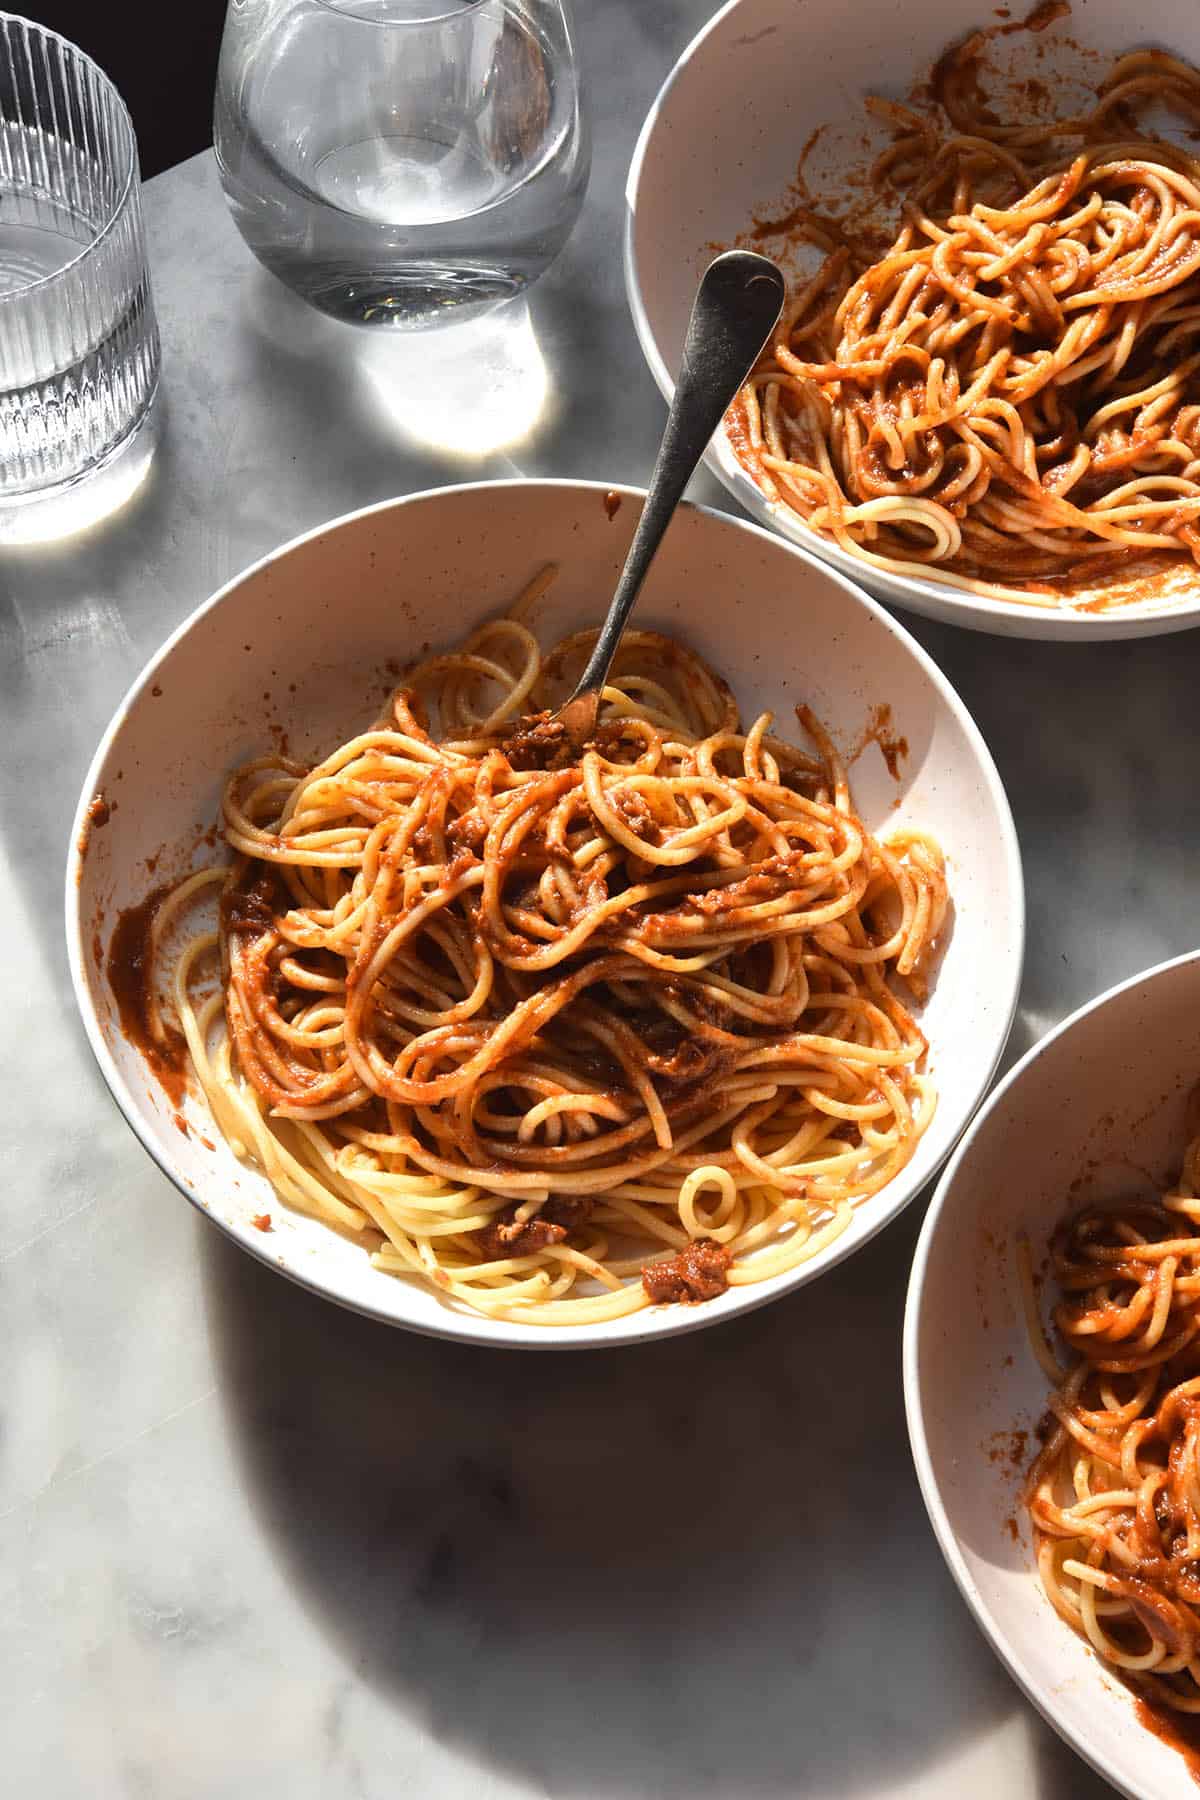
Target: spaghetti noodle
(1114,1496)
(1008,399)
(564,1035)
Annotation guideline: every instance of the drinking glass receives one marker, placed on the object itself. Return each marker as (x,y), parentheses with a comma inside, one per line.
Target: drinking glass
(397,162)
(79,351)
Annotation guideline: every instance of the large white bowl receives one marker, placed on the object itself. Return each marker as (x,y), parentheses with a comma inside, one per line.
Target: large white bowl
(1100,1101)
(720,146)
(301,642)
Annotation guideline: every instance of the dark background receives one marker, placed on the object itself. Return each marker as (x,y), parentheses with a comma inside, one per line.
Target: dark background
(162,55)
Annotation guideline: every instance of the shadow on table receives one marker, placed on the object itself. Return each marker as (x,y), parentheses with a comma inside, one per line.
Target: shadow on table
(475,400)
(653,1571)
(1058,1774)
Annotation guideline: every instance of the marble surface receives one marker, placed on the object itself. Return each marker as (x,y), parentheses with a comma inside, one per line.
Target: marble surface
(251,1545)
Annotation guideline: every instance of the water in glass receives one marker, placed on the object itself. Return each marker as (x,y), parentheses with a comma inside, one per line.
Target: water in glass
(79,352)
(396,162)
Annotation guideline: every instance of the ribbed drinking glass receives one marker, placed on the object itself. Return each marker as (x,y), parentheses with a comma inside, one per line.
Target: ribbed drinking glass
(79,350)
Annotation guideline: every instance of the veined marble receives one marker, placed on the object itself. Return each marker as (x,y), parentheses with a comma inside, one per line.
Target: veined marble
(253,1546)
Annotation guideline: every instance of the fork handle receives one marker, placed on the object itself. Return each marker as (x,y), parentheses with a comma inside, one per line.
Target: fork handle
(736,308)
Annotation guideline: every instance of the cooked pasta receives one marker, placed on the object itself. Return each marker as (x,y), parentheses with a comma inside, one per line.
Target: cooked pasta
(564,1035)
(1007,399)
(1114,1496)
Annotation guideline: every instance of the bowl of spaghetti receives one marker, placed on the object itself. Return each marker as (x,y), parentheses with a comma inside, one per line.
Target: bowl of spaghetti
(983,396)
(1052,1376)
(523,1045)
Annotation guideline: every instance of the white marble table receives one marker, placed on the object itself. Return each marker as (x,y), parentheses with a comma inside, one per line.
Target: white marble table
(253,1546)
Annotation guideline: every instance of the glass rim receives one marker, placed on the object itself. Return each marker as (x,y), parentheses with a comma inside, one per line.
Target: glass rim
(128,186)
(442,12)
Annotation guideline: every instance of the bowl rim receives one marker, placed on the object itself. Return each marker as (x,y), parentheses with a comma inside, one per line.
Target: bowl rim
(914,1411)
(944,601)
(463,1327)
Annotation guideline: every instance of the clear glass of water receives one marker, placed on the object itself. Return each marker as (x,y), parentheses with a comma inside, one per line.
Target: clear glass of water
(401,162)
(79,351)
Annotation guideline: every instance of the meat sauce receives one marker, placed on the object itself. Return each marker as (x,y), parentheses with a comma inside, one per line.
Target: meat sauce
(539,742)
(507,1236)
(130,978)
(697,1272)
(881,731)
(100,811)
(250,909)
(1178,1729)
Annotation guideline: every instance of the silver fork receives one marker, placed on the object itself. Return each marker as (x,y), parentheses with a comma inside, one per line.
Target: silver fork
(736,308)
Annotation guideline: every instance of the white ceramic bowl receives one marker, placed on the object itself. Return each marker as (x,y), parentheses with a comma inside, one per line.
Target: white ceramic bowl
(301,640)
(1102,1097)
(720,146)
